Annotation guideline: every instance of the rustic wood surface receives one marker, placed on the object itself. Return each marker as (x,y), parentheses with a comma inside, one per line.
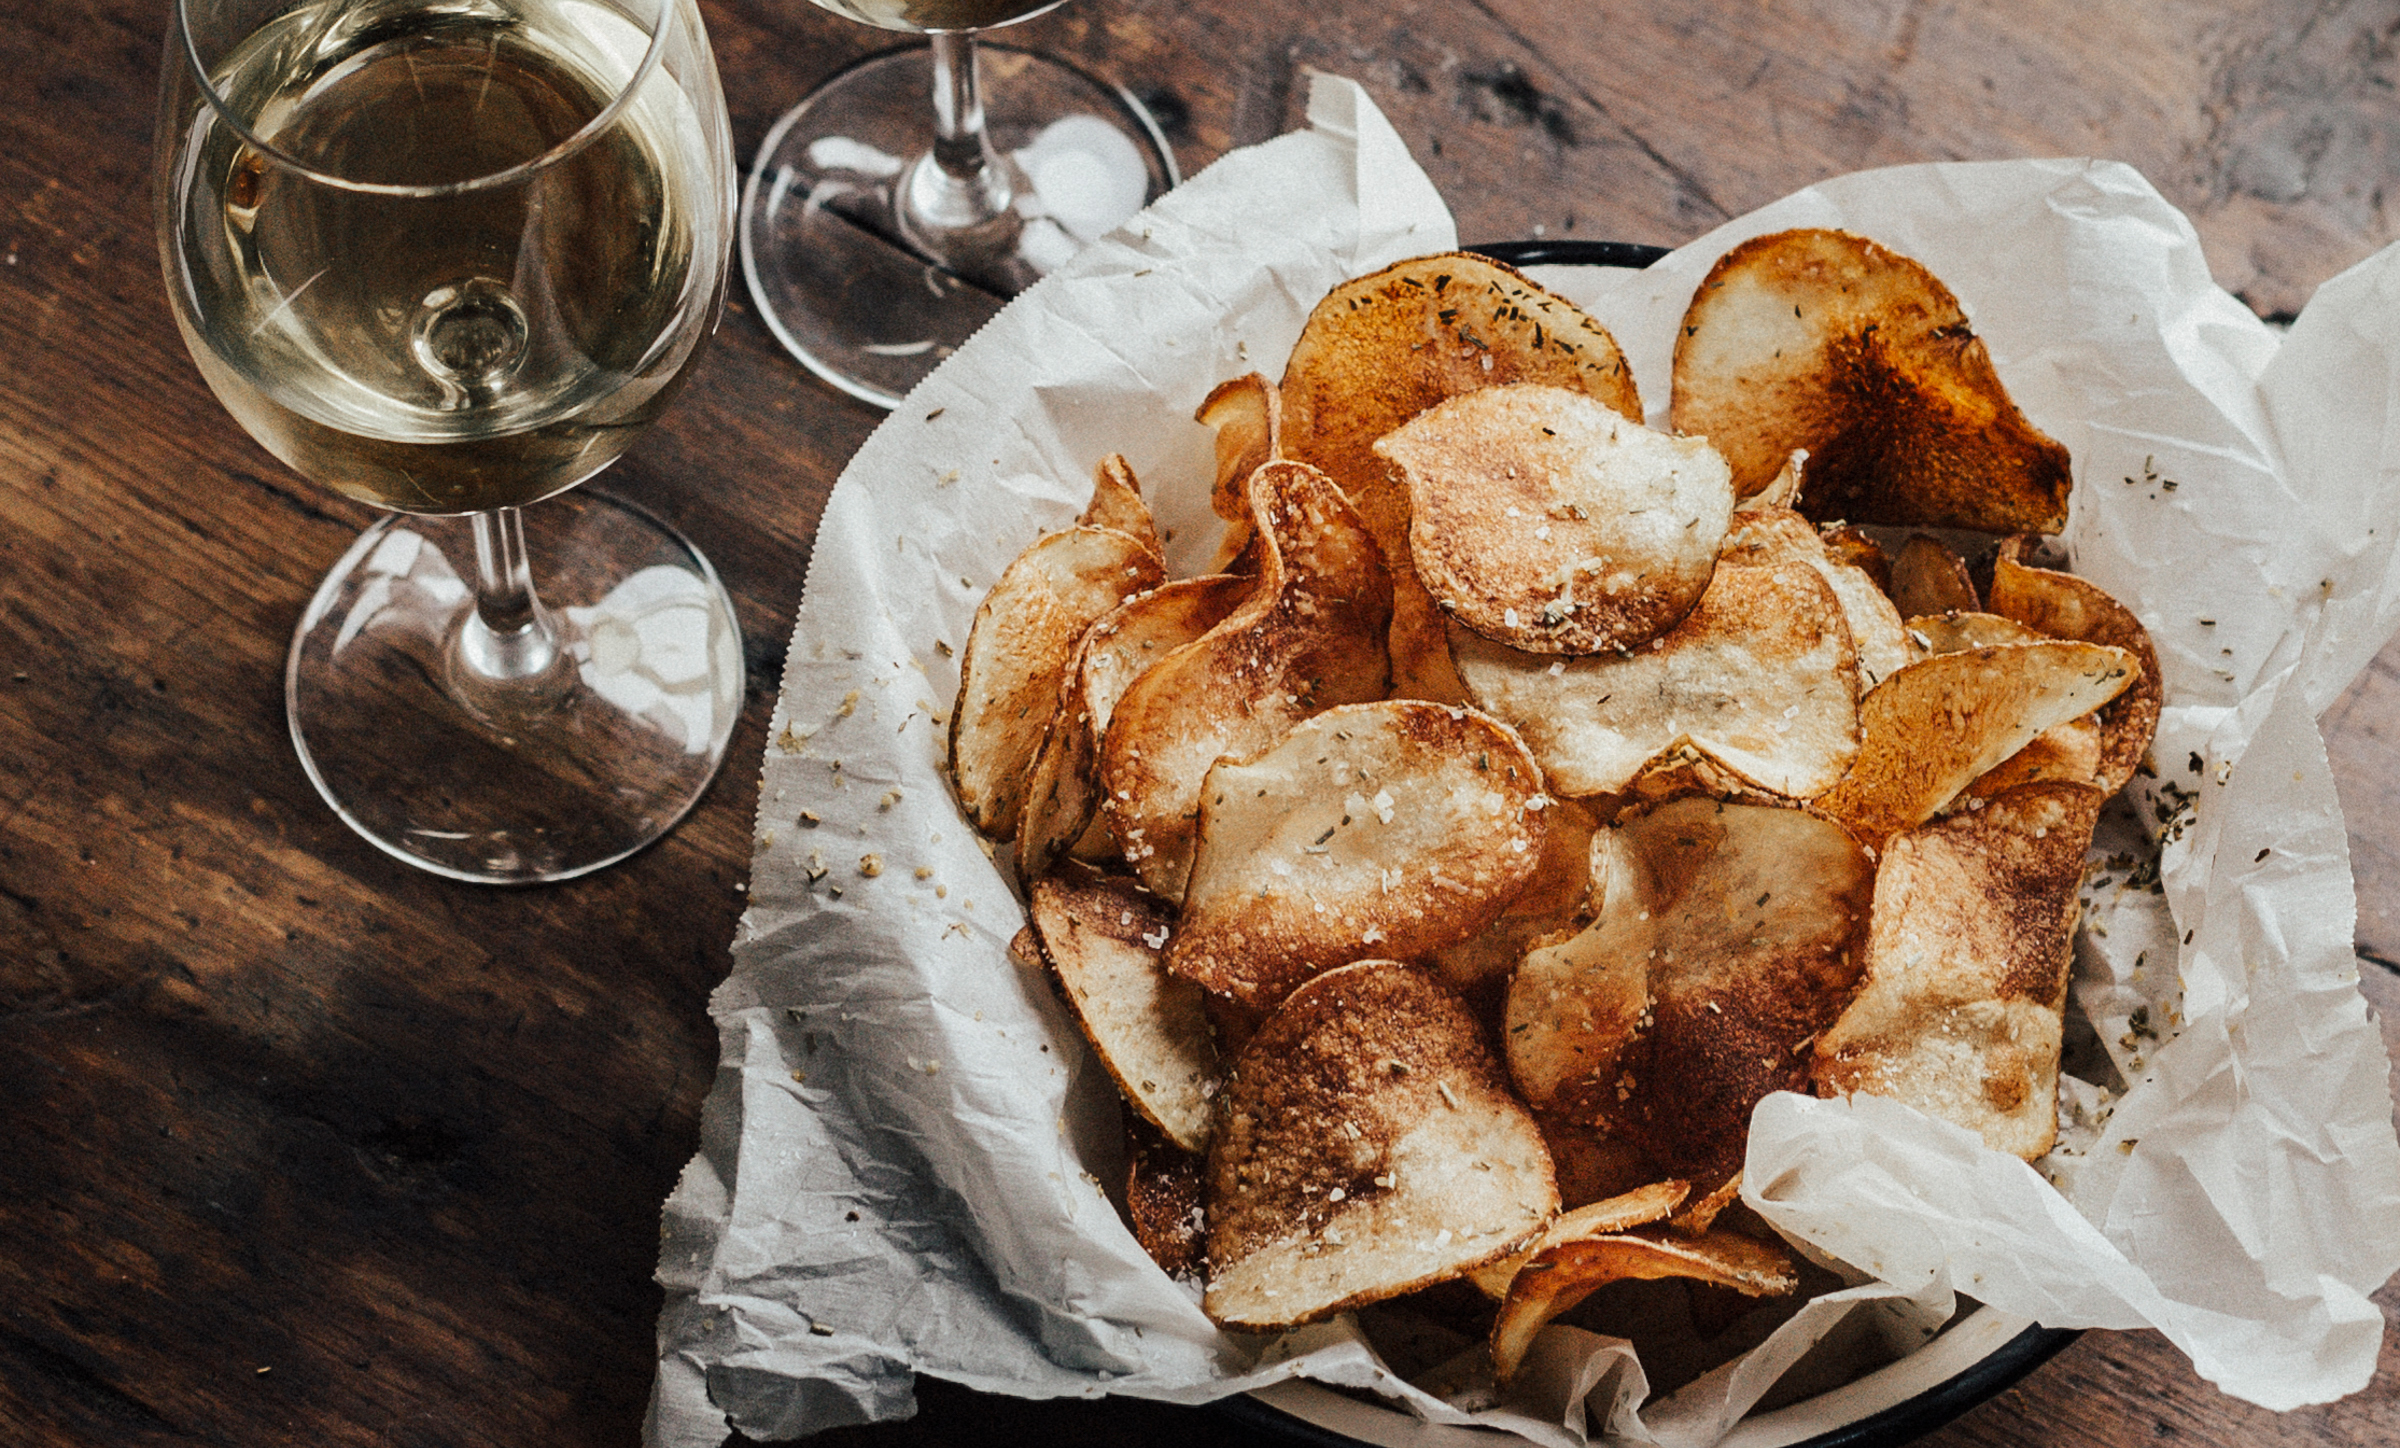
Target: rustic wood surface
(299,1146)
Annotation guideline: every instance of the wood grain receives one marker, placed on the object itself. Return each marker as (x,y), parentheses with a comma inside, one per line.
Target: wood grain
(300,1146)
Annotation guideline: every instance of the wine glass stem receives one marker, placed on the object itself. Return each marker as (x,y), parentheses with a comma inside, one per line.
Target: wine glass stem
(508,644)
(959,193)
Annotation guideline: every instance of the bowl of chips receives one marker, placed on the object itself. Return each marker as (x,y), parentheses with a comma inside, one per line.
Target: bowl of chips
(1412,876)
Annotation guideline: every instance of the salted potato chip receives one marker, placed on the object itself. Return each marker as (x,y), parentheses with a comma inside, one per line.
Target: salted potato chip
(1543,519)
(1927,578)
(1929,730)
(1063,797)
(2064,606)
(2069,751)
(1826,341)
(1366,1146)
(1016,656)
(1563,1276)
(1101,937)
(1761,674)
(1651,1202)
(1951,633)
(1728,936)
(1246,413)
(1390,829)
(1162,1199)
(1381,349)
(1552,900)
(1117,503)
(1772,531)
(1309,637)
(1960,1011)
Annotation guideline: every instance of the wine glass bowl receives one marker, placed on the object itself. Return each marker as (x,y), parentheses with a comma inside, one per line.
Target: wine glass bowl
(450,258)
(904,200)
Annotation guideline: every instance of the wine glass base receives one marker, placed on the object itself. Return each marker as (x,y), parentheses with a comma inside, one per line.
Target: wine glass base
(831,271)
(515,790)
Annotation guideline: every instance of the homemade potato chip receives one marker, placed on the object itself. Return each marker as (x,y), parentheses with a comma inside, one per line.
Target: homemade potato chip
(1101,937)
(1117,503)
(1016,655)
(1381,349)
(2064,606)
(1967,961)
(1544,520)
(1063,798)
(1727,937)
(1308,638)
(1929,730)
(1389,829)
(1929,579)
(1761,675)
(1366,1146)
(1560,1277)
(1651,1202)
(1246,414)
(1770,531)
(1825,341)
(2069,751)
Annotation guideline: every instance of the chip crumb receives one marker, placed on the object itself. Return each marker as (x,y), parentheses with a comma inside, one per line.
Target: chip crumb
(870,865)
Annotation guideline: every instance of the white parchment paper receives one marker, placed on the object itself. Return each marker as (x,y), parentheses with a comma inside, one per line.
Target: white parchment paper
(902,1153)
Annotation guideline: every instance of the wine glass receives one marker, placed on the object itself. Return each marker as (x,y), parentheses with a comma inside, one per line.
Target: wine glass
(450,257)
(909,196)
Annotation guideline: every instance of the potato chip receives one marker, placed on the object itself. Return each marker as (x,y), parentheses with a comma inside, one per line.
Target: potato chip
(1728,936)
(1162,1199)
(1826,341)
(1309,638)
(1246,414)
(1554,900)
(1861,552)
(1366,1146)
(1391,829)
(2064,606)
(1063,798)
(1101,937)
(1651,1202)
(1562,1276)
(1772,531)
(1117,503)
(1927,578)
(1929,730)
(1381,349)
(1016,656)
(1959,1014)
(1762,675)
(2069,751)
(1544,520)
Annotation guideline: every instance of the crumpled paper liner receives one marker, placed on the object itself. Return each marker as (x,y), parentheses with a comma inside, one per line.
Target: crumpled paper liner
(902,1156)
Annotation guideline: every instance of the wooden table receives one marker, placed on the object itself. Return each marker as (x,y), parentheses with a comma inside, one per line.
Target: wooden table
(300,1146)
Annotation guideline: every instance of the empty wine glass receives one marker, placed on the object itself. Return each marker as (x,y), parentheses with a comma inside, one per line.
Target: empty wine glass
(908,197)
(450,257)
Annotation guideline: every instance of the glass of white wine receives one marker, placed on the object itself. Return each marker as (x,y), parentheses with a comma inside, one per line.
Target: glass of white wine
(909,196)
(450,257)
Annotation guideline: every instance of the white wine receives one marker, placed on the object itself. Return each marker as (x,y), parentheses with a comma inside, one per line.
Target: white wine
(445,353)
(936,14)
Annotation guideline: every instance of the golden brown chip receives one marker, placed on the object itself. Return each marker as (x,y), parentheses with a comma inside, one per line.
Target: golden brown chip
(1761,675)
(2069,751)
(1927,578)
(1162,1199)
(1016,656)
(1309,638)
(1564,1275)
(1951,633)
(2064,606)
(1552,901)
(1642,1205)
(1381,349)
(1929,730)
(1966,971)
(1390,829)
(1727,937)
(1366,1146)
(1825,341)
(1246,414)
(1117,503)
(1766,531)
(1063,798)
(1102,937)
(1546,521)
